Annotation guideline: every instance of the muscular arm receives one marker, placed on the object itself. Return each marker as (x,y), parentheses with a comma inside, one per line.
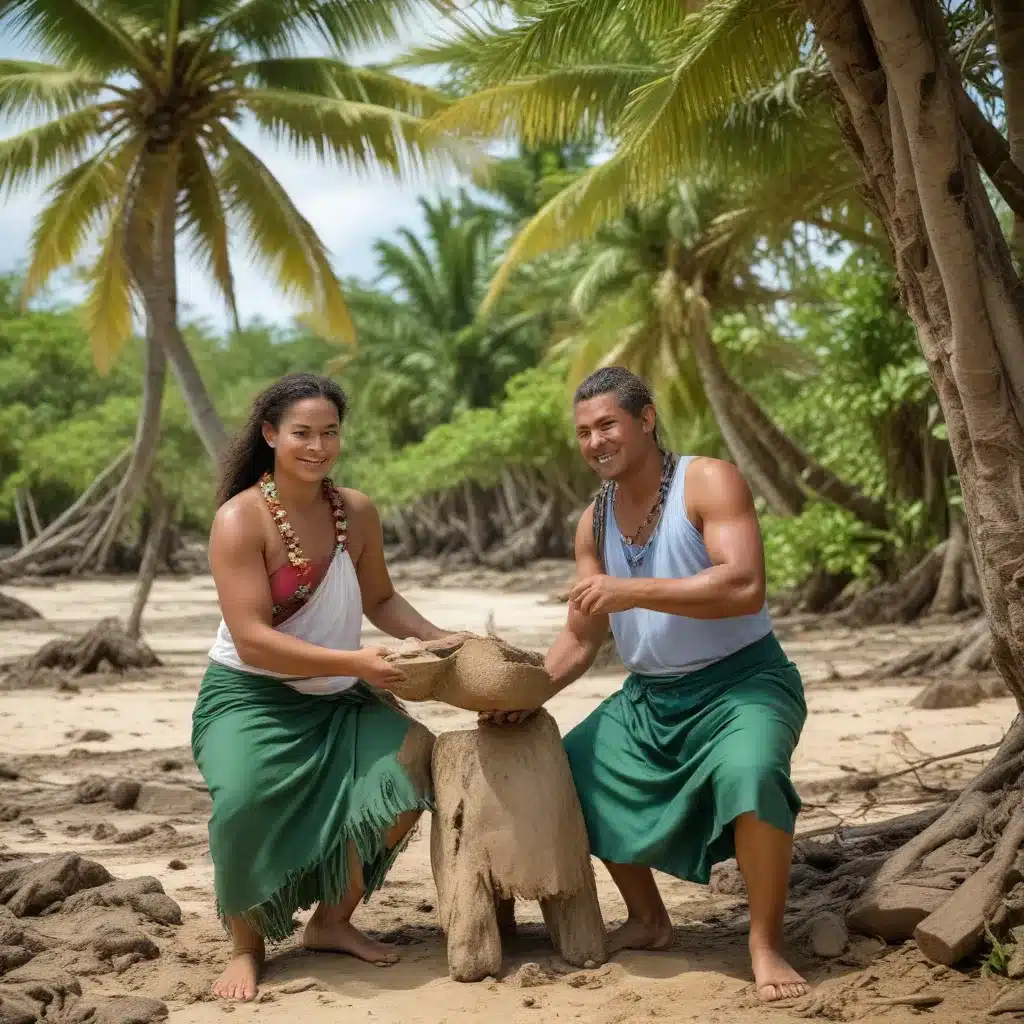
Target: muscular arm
(243,589)
(722,508)
(576,646)
(382,604)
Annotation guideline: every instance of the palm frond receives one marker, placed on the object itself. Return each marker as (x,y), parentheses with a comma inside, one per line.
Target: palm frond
(325,76)
(108,306)
(358,136)
(280,237)
(77,33)
(205,222)
(557,33)
(599,195)
(31,89)
(273,27)
(79,201)
(559,105)
(723,51)
(50,148)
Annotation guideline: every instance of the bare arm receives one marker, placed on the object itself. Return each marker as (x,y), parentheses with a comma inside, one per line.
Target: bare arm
(382,604)
(576,646)
(243,589)
(580,639)
(721,507)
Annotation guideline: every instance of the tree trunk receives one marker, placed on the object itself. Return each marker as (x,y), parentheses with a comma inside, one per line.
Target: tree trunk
(762,474)
(791,462)
(160,297)
(899,112)
(892,69)
(19,512)
(150,563)
(1008,16)
(147,443)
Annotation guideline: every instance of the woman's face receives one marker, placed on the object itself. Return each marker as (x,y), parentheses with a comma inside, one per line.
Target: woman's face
(307,442)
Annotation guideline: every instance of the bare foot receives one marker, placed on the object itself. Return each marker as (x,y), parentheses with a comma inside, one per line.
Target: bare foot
(774,978)
(637,934)
(240,977)
(344,937)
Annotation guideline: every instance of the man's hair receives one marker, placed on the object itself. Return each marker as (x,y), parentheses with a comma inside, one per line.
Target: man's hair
(631,392)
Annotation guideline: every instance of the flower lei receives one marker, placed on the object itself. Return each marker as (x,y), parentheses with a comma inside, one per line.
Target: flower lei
(280,516)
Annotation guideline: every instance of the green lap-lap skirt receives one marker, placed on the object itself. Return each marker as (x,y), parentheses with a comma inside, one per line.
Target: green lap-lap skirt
(665,766)
(295,780)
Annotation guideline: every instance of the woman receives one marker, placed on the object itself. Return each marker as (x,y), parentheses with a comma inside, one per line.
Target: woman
(316,779)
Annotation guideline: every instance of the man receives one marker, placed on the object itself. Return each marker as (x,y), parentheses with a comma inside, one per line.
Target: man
(688,764)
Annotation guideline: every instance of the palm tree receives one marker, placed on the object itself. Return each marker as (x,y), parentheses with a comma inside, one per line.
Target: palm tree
(423,343)
(140,104)
(901,71)
(145,100)
(646,300)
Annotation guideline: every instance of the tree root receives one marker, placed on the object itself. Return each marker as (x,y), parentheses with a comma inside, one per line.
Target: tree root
(105,647)
(11,609)
(935,888)
(524,516)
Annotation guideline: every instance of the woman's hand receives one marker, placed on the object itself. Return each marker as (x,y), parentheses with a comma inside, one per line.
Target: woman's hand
(373,669)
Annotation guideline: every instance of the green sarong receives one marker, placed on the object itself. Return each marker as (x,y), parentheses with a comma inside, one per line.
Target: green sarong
(295,778)
(665,766)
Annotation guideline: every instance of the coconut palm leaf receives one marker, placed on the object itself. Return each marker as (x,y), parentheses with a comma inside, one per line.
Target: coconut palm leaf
(326,76)
(280,237)
(273,26)
(77,33)
(33,89)
(359,136)
(51,148)
(562,104)
(79,201)
(108,305)
(206,223)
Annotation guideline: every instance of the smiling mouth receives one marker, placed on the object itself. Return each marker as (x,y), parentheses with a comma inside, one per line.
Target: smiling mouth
(312,462)
(602,459)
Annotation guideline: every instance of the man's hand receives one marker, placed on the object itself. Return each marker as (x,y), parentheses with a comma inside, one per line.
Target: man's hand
(502,717)
(601,595)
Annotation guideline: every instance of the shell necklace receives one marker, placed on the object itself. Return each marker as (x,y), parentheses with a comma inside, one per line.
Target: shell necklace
(634,556)
(291,542)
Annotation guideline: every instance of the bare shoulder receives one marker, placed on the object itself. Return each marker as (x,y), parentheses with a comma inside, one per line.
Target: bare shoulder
(356,502)
(714,486)
(241,519)
(585,528)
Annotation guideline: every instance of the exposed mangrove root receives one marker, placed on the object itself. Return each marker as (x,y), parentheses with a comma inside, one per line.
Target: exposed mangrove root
(961,873)
(525,516)
(106,647)
(11,609)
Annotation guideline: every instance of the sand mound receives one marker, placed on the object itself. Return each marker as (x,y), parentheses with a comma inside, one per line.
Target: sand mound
(88,924)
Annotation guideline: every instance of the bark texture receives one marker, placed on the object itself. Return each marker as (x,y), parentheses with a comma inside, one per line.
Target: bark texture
(493,839)
(899,109)
(1008,16)
(898,93)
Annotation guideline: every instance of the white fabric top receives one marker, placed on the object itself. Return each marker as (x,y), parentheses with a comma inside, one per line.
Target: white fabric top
(332,617)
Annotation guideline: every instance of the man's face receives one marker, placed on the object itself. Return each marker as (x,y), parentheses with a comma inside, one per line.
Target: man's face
(611,439)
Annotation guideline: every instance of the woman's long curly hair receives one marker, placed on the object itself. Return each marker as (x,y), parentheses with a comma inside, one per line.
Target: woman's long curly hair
(248,456)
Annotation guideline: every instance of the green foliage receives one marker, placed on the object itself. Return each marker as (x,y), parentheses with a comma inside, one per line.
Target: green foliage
(822,535)
(135,97)
(531,428)
(999,955)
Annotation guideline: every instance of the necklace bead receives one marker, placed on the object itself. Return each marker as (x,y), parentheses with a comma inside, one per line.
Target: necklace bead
(296,557)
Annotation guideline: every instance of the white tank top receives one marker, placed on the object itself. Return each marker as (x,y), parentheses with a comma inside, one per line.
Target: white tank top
(332,617)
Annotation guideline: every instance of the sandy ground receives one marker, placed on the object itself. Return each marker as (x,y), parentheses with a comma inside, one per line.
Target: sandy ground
(143,730)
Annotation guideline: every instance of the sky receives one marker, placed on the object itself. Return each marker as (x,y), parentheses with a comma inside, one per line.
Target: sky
(349,213)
